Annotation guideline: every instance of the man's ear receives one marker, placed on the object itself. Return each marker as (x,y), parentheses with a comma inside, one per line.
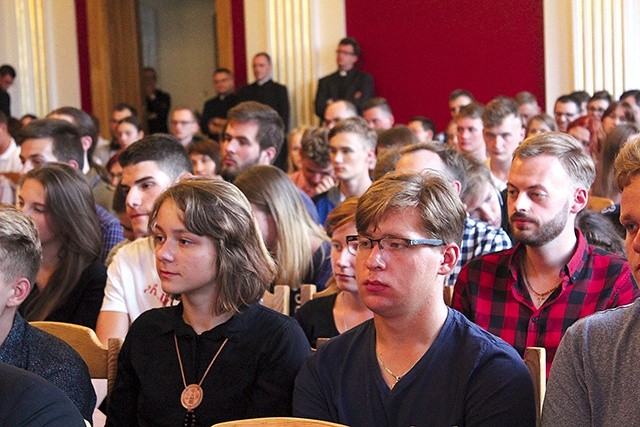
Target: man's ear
(580,199)
(267,156)
(74,164)
(450,257)
(184,175)
(19,292)
(457,186)
(86,142)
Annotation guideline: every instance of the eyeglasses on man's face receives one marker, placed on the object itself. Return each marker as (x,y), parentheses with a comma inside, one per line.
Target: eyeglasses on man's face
(391,244)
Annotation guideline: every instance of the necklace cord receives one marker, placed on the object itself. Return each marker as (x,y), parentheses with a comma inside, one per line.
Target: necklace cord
(184,381)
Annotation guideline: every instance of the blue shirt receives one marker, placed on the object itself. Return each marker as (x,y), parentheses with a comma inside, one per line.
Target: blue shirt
(467,377)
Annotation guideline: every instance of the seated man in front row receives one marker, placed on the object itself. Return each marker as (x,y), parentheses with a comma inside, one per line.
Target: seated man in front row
(21,344)
(417,362)
(529,295)
(594,378)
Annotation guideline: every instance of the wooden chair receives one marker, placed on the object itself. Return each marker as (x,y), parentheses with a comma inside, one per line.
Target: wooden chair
(331,289)
(307,293)
(102,362)
(278,300)
(447,293)
(597,204)
(279,422)
(536,360)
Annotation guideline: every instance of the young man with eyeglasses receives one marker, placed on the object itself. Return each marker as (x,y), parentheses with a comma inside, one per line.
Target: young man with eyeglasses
(184,126)
(417,362)
(348,82)
(566,110)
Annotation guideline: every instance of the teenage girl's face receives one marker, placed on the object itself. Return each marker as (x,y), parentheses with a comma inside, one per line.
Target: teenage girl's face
(186,262)
(343,262)
(127,134)
(32,200)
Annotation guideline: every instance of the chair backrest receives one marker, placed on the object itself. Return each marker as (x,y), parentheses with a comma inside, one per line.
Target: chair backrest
(448,295)
(307,293)
(330,290)
(536,360)
(278,300)
(597,204)
(102,362)
(279,422)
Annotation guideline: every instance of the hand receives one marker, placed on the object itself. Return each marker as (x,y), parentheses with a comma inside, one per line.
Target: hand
(325,184)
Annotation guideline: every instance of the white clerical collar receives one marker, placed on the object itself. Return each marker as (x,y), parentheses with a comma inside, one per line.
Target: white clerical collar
(263,81)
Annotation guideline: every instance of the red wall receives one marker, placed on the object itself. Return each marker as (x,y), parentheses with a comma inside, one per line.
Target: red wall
(419,51)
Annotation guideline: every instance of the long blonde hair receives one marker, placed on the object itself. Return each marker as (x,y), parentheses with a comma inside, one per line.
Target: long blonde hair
(270,190)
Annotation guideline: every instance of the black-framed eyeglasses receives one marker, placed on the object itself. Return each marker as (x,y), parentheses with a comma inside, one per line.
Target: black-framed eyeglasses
(392,244)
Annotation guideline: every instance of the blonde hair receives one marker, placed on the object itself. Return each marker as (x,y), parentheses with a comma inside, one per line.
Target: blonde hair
(627,164)
(442,213)
(566,149)
(218,210)
(270,190)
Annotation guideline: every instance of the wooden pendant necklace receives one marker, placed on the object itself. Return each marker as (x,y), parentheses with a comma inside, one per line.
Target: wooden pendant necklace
(192,394)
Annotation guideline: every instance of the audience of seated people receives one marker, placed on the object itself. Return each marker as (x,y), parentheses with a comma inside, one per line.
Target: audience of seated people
(299,245)
(331,315)
(544,279)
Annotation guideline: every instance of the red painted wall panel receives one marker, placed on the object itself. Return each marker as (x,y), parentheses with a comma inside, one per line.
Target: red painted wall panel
(419,51)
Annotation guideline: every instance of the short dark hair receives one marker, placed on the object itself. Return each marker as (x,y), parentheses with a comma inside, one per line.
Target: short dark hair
(397,136)
(461,92)
(454,162)
(163,149)
(65,138)
(427,123)
(602,94)
(566,99)
(134,120)
(377,102)
(86,125)
(633,92)
(581,96)
(223,70)
(350,41)
(7,70)
(265,54)
(270,125)
(472,111)
(206,147)
(525,97)
(121,106)
(498,109)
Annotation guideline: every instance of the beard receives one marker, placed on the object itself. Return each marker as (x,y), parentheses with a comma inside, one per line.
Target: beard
(542,233)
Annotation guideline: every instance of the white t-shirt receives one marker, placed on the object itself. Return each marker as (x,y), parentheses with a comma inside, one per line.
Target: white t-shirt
(10,159)
(133,285)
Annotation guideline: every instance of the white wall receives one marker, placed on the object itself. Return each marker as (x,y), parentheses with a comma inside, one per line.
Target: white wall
(185,49)
(40,43)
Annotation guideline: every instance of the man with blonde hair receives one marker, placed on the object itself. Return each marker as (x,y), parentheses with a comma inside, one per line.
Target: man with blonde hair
(594,378)
(417,362)
(529,295)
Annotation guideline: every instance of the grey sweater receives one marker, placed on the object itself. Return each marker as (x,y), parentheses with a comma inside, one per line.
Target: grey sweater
(595,376)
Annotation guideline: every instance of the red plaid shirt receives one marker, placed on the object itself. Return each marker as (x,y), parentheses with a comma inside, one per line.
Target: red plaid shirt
(490,292)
